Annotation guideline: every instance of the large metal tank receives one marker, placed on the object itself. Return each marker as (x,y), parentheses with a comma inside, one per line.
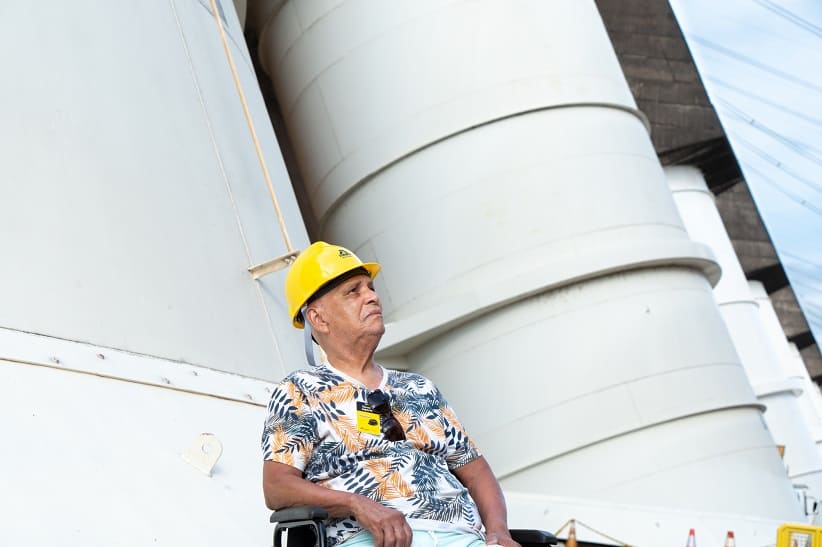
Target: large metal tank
(791,362)
(769,369)
(491,157)
(132,203)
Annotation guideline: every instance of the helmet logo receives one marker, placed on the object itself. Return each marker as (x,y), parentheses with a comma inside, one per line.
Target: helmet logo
(344,254)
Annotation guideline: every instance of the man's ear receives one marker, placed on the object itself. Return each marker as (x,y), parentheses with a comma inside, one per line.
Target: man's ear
(315,318)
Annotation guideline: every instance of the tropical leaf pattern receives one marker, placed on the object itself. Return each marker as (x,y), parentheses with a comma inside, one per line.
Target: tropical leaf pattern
(312,425)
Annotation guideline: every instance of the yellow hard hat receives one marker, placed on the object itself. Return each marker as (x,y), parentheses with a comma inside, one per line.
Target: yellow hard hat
(316,266)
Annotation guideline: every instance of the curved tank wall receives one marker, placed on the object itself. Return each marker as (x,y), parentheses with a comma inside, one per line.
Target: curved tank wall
(100,461)
(791,362)
(130,329)
(812,399)
(776,387)
(133,201)
(534,263)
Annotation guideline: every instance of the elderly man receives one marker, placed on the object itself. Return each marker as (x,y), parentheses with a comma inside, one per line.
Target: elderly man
(379,449)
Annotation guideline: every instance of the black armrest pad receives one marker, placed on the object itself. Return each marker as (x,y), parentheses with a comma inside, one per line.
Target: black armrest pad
(307,512)
(533,537)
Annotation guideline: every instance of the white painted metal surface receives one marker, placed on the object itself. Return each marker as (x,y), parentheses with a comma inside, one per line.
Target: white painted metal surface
(131,205)
(493,160)
(791,361)
(812,395)
(776,386)
(604,522)
(133,202)
(82,358)
(94,445)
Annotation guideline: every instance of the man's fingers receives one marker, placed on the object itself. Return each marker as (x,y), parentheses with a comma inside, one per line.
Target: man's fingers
(385,539)
(378,537)
(494,540)
(395,537)
(404,535)
(387,536)
(388,526)
(397,532)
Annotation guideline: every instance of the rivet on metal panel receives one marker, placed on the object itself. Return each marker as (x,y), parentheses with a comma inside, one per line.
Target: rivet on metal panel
(165,380)
(54,360)
(203,453)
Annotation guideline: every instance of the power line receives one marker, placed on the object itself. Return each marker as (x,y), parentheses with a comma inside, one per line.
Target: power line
(798,258)
(809,312)
(763,100)
(813,311)
(806,286)
(806,295)
(802,268)
(815,316)
(804,150)
(799,147)
(798,20)
(793,197)
(776,163)
(753,62)
(744,116)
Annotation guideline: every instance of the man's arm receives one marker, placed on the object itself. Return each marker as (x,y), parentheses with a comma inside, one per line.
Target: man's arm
(284,486)
(484,488)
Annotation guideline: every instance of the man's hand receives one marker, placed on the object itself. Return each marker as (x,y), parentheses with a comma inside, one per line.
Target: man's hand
(484,488)
(284,486)
(388,526)
(502,539)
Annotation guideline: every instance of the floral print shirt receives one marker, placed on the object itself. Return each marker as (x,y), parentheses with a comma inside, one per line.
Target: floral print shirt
(313,425)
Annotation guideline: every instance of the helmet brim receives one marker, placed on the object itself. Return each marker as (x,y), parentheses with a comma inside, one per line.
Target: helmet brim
(371,268)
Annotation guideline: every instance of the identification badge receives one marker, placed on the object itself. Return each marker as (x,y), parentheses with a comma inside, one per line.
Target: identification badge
(368,421)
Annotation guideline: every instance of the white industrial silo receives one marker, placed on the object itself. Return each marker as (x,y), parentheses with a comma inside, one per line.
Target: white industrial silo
(132,337)
(767,365)
(793,367)
(491,157)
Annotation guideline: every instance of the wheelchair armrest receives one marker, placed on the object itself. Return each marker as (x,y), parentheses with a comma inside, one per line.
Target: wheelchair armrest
(306,512)
(533,538)
(305,526)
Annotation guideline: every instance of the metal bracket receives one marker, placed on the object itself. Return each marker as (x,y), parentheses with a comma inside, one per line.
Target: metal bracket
(273,265)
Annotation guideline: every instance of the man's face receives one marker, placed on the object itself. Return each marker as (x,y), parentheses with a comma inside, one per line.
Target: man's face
(352,309)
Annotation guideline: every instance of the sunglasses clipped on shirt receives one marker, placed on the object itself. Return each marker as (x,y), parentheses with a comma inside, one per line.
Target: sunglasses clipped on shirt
(380,403)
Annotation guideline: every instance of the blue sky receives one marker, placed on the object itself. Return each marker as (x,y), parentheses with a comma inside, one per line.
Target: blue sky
(761,62)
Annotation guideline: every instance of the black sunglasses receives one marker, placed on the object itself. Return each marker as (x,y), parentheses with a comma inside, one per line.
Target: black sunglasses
(380,403)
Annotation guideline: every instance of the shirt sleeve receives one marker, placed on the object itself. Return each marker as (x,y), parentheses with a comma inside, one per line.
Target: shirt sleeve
(460,448)
(290,431)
